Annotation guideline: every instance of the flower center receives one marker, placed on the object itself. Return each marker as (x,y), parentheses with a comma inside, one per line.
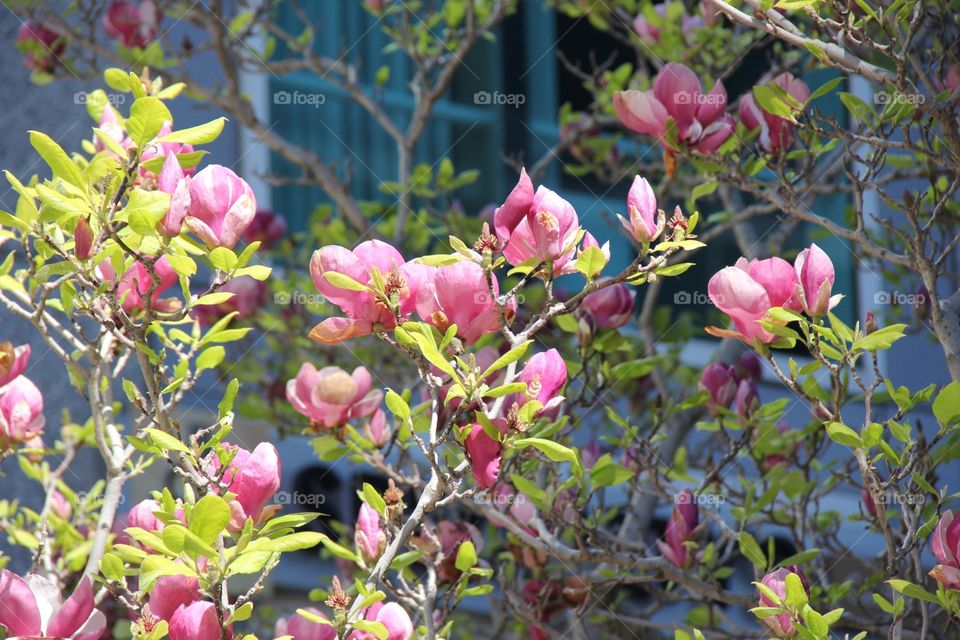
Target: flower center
(336,388)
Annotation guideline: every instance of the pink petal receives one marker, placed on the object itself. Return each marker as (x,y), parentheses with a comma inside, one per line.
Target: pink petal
(74,612)
(19,612)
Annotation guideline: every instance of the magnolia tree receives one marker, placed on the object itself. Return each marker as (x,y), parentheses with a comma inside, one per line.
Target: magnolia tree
(488,352)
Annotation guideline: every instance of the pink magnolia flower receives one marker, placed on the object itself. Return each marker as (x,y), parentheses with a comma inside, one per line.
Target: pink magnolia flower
(222,206)
(868,502)
(748,398)
(945,544)
(545,374)
(267,228)
(83,239)
(701,121)
(60,506)
(253,476)
(748,366)
(302,629)
(110,124)
(331,396)
(720,381)
(136,282)
(13,361)
(748,290)
(541,226)
(392,616)
(780,625)
(170,593)
(816,275)
(368,535)
(41,44)
(776,133)
(645,221)
(196,621)
(249,295)
(142,516)
(485,454)
(174,181)
(458,294)
(364,310)
(610,307)
(31,608)
(649,32)
(154,149)
(132,24)
(377,429)
(451,534)
(21,412)
(682,527)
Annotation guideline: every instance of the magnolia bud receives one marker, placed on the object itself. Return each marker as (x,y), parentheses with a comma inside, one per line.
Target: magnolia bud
(83,240)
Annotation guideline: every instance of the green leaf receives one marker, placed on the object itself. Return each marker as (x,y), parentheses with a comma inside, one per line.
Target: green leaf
(210,517)
(201,134)
(147,116)
(466,556)
(376,629)
(508,358)
(882,338)
(373,498)
(553,450)
(57,159)
(210,358)
(292,542)
(591,262)
(752,551)
(946,406)
(154,567)
(223,259)
(844,435)
(164,440)
(397,405)
(343,281)
(912,591)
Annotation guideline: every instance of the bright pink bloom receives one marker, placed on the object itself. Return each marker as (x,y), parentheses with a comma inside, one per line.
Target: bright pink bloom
(610,307)
(21,412)
(267,228)
(363,309)
(31,608)
(136,282)
(545,375)
(41,44)
(302,629)
(541,226)
(816,275)
(644,222)
(249,295)
(60,506)
(132,24)
(682,527)
(677,93)
(377,429)
(392,616)
(331,396)
(368,535)
(458,294)
(747,291)
(253,476)
(222,206)
(154,149)
(171,592)
(485,454)
(175,182)
(776,133)
(945,545)
(142,516)
(720,382)
(780,625)
(197,621)
(13,361)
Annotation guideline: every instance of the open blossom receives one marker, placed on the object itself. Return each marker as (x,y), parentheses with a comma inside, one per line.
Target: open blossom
(458,294)
(748,290)
(253,476)
(776,133)
(644,222)
(299,628)
(21,412)
(267,228)
(133,24)
(545,374)
(13,361)
(816,275)
(701,121)
(368,535)
(222,206)
(41,44)
(945,544)
(31,608)
(392,616)
(136,282)
(781,625)
(485,454)
(682,527)
(541,226)
(610,307)
(364,310)
(249,295)
(331,396)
